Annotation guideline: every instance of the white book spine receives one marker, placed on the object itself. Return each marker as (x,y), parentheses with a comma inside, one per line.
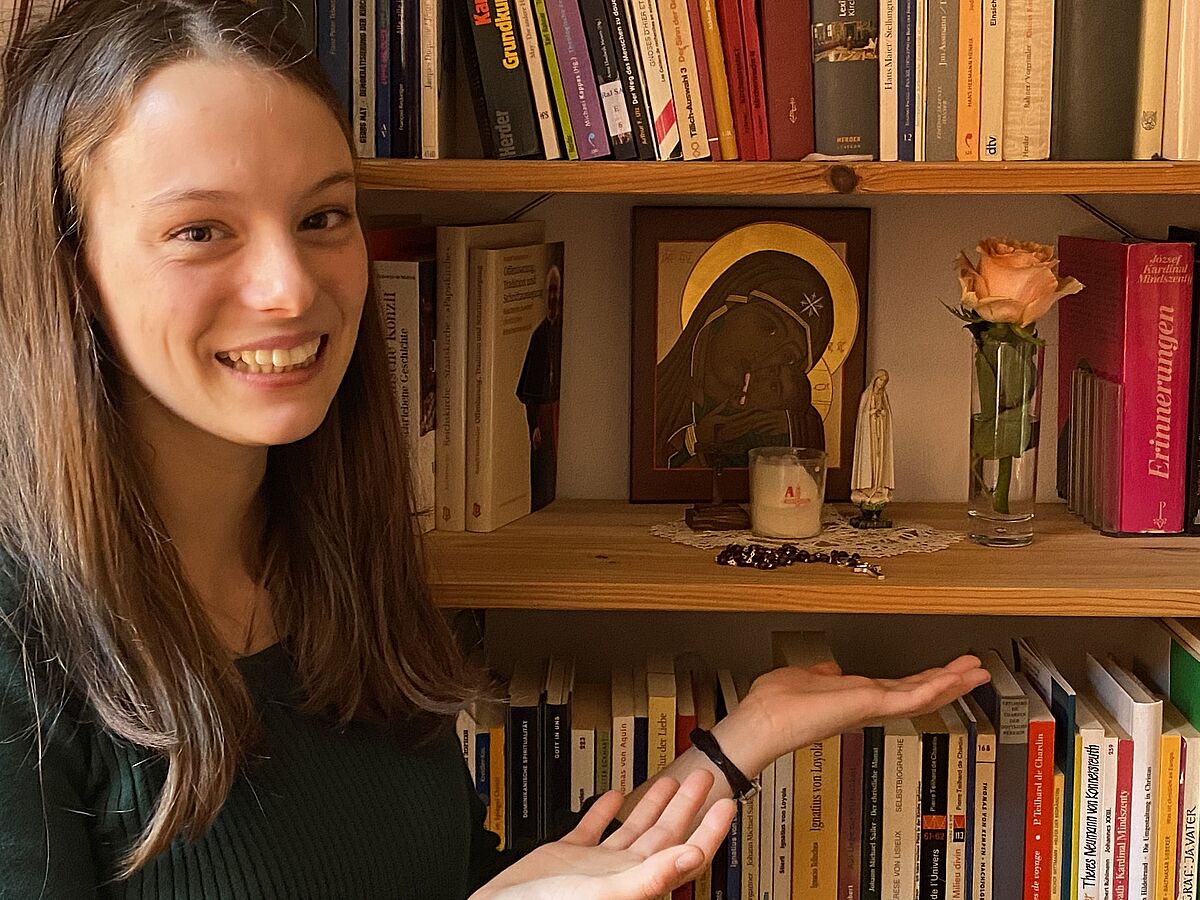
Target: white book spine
(1181,125)
(680,56)
(363,77)
(431,73)
(583,766)
(1152,79)
(889,95)
(985,829)
(467,729)
(784,795)
(643,16)
(1189,820)
(622,754)
(919,92)
(991,82)
(1028,72)
(1091,811)
(1109,820)
(766,834)
(901,815)
(450,491)
(481,317)
(532,44)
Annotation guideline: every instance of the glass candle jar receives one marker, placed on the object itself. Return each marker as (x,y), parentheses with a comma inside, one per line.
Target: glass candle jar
(787,491)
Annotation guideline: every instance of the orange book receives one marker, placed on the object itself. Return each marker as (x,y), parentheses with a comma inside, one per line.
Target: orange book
(970,70)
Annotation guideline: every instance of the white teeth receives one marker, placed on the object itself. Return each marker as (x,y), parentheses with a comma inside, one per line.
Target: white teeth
(272,361)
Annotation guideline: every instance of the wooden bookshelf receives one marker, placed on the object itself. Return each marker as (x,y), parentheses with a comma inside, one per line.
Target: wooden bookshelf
(601,555)
(779,178)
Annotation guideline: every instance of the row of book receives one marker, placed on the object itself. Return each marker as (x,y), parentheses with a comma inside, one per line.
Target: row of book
(1031,787)
(770,79)
(473,321)
(1129,384)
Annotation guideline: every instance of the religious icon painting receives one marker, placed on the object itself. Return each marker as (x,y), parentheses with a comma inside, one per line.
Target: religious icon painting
(749,330)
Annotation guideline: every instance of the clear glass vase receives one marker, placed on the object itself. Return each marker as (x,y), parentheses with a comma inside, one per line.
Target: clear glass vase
(1006,407)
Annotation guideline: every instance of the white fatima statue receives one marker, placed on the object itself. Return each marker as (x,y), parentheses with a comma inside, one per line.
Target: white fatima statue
(873,477)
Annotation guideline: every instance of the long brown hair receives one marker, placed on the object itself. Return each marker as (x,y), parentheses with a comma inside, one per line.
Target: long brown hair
(104,597)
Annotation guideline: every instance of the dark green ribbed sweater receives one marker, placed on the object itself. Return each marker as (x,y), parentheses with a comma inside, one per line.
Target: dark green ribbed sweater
(324,815)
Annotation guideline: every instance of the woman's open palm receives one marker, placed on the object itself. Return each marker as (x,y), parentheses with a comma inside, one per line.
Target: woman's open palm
(655,850)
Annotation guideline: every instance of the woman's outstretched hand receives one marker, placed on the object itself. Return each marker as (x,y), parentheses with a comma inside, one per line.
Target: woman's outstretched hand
(793,707)
(655,850)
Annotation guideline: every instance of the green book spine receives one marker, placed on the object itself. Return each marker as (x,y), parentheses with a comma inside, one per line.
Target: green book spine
(1185,682)
(556,82)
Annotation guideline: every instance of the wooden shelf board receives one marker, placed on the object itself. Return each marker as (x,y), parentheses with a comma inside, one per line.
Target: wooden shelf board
(780,178)
(601,555)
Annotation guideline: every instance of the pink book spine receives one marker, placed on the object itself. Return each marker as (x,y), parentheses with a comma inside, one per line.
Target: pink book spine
(1123,811)
(1158,329)
(850,817)
(703,80)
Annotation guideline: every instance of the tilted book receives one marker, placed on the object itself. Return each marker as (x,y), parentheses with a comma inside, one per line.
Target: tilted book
(680,60)
(579,79)
(514,366)
(1132,324)
(558,87)
(729,19)
(498,75)
(531,45)
(454,245)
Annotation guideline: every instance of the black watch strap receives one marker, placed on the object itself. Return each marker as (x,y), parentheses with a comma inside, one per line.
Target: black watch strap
(706,743)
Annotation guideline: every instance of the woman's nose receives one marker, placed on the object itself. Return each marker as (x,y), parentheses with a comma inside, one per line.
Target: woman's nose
(279,278)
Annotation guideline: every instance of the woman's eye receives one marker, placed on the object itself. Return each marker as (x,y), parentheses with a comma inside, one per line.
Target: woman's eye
(326,219)
(194,234)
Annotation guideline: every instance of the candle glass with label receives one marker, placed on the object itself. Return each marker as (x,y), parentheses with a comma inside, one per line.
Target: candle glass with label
(787,491)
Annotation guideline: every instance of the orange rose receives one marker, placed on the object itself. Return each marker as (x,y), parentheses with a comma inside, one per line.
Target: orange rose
(1016,282)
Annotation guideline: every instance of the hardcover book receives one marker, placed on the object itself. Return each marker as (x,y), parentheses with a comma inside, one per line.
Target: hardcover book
(753,43)
(514,365)
(454,245)
(730,24)
(941,80)
(498,74)
(1132,324)
(786,49)
(1095,94)
(845,38)
(718,80)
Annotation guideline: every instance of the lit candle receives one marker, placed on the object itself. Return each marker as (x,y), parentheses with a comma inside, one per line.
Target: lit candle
(787,488)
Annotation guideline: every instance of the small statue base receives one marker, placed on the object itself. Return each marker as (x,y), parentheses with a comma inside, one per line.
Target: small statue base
(717,517)
(871,517)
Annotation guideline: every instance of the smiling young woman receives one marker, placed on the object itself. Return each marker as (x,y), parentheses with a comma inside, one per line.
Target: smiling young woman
(221,673)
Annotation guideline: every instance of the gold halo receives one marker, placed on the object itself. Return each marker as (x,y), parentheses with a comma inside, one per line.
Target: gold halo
(794,240)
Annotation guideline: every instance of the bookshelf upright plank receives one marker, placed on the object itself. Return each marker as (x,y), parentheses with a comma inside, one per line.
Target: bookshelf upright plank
(779,178)
(601,555)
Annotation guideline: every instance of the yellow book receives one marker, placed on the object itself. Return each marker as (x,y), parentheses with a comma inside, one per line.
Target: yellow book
(817,774)
(1057,836)
(1168,818)
(722,106)
(660,691)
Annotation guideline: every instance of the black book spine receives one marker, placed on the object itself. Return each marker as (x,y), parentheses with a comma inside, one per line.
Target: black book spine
(631,79)
(556,769)
(521,777)
(1191,521)
(846,78)
(641,749)
(499,80)
(602,49)
(872,819)
(934,748)
(406,78)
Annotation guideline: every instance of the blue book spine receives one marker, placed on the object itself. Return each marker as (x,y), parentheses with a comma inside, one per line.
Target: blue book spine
(733,871)
(972,756)
(333,46)
(383,78)
(483,766)
(906,78)
(406,86)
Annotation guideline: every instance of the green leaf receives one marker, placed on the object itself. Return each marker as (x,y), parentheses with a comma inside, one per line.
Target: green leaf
(1008,434)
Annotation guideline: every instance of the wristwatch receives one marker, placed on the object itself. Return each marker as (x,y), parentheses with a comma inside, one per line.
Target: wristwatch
(743,788)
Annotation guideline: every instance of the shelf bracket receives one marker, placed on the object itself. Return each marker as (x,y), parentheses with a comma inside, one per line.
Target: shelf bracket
(528,207)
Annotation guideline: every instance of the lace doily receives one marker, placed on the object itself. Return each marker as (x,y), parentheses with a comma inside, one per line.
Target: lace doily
(836,533)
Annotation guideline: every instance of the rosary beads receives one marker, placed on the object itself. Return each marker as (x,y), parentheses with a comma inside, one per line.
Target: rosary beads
(757,556)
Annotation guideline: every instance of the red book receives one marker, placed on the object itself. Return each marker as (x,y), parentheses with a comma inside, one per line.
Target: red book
(787,74)
(1124,807)
(702,79)
(850,817)
(1039,796)
(685,721)
(752,41)
(729,18)
(1132,324)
